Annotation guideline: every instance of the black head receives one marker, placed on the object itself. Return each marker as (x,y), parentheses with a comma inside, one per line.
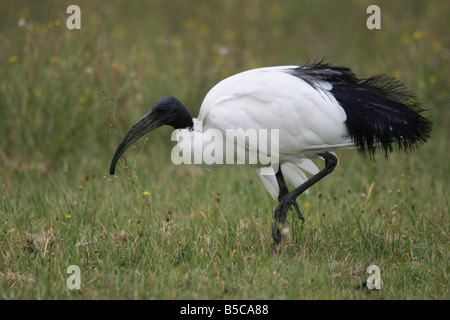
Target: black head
(170,111)
(167,111)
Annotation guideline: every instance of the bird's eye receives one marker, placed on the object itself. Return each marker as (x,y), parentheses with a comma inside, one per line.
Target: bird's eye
(160,108)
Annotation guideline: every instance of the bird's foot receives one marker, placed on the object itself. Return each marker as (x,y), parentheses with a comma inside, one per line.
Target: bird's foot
(279,219)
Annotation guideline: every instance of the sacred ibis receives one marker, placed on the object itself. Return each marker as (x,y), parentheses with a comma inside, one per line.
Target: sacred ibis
(314,109)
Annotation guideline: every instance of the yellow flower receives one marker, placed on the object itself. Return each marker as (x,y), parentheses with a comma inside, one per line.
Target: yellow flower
(80,188)
(397,73)
(68,216)
(57,23)
(13,59)
(145,193)
(432,79)
(417,34)
(54,59)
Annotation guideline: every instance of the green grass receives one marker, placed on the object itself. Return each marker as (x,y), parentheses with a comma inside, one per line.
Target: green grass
(67,97)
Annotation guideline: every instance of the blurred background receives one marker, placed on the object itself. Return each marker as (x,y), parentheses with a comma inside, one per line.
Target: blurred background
(61,90)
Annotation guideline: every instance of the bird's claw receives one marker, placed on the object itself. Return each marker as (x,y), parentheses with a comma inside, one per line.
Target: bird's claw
(297,209)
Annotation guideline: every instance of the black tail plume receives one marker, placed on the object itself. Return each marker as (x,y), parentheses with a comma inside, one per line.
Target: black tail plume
(381,113)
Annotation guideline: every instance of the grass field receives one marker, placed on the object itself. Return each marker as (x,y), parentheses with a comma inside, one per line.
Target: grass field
(160,231)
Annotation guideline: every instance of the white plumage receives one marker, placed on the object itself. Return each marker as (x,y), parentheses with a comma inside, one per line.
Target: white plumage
(268,98)
(314,109)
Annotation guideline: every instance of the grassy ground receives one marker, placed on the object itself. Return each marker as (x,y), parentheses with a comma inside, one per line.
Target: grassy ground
(160,231)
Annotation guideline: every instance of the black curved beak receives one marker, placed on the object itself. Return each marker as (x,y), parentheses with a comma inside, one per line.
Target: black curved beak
(146,124)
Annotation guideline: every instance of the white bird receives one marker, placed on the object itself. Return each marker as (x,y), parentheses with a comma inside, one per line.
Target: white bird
(315,110)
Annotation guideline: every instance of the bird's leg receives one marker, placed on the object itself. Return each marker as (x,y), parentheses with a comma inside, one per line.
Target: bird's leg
(284,190)
(289,198)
